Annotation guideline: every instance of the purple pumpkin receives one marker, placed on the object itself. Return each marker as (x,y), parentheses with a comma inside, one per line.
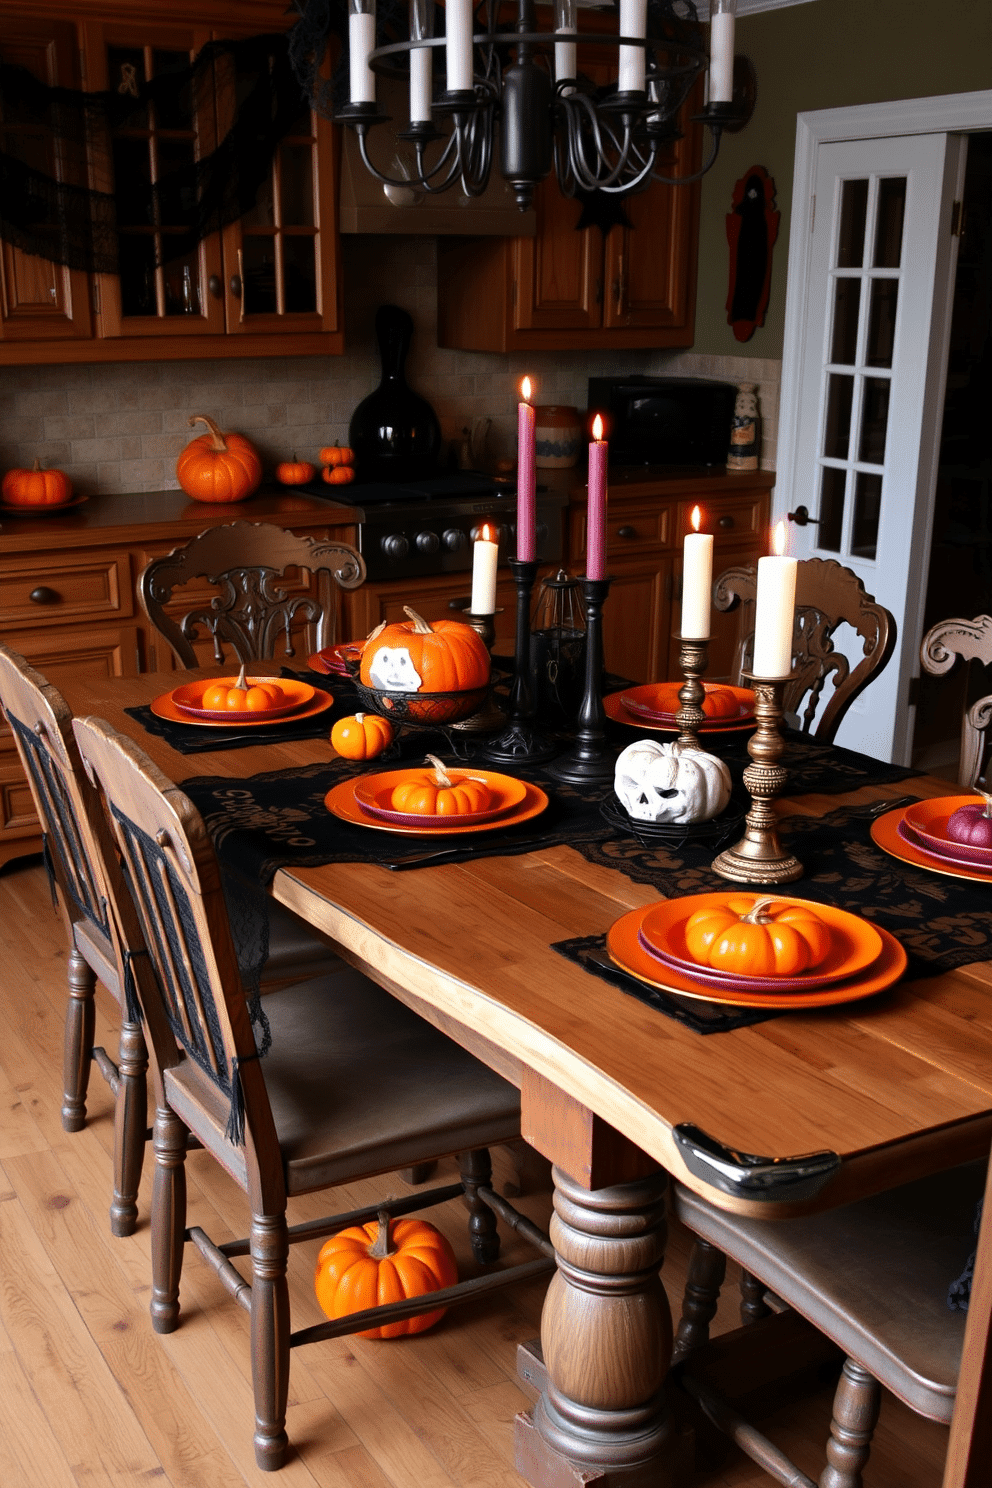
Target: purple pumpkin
(971,824)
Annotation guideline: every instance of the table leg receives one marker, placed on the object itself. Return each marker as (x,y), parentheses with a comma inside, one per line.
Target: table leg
(606,1336)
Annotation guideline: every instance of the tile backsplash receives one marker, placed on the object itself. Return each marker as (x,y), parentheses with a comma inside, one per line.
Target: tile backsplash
(116,427)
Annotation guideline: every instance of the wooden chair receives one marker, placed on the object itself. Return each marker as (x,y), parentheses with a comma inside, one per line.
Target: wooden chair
(873,1276)
(337,1082)
(252,608)
(941,647)
(827,596)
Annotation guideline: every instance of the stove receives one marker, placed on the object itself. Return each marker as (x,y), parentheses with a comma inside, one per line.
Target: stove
(426,527)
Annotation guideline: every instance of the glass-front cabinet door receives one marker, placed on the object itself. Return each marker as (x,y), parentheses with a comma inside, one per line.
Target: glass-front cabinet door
(161,290)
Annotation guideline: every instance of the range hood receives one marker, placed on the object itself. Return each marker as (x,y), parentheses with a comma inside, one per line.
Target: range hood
(366,207)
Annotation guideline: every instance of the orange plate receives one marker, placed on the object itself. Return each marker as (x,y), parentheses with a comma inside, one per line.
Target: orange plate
(340,801)
(49,509)
(626,951)
(189,699)
(927,820)
(616,709)
(856,944)
(885,834)
(164,707)
(374,793)
(641,701)
(330,661)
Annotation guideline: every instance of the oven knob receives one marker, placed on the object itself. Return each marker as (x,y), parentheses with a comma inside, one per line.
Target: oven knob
(427,542)
(395,545)
(455,539)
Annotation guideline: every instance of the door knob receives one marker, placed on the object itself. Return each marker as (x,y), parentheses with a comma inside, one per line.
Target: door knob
(802,518)
(726,522)
(215,286)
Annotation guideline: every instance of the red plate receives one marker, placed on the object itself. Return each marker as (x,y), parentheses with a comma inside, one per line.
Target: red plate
(615,708)
(927,821)
(188,700)
(340,801)
(331,661)
(164,707)
(374,793)
(625,950)
(643,702)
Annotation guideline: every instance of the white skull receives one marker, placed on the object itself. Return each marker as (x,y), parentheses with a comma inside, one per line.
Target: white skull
(392,670)
(670,782)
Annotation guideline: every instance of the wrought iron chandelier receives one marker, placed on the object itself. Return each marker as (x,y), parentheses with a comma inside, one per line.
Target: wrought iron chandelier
(529,84)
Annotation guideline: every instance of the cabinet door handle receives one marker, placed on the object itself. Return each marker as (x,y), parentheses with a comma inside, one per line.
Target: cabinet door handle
(215,286)
(44,595)
(726,522)
(626,532)
(620,284)
(240,291)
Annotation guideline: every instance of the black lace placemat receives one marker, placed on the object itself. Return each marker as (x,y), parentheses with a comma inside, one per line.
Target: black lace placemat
(188,738)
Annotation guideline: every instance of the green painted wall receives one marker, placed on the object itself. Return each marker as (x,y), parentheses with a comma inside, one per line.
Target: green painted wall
(826,54)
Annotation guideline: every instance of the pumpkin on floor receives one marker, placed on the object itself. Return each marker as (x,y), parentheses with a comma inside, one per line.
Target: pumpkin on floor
(361,736)
(671,782)
(218,467)
(416,656)
(36,487)
(757,937)
(384,1261)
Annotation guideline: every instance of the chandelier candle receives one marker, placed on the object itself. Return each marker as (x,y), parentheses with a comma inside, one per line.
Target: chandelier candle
(697,579)
(458,45)
(631,61)
(421,61)
(485,558)
(565,51)
(526,478)
(361,44)
(774,611)
(721,76)
(599,452)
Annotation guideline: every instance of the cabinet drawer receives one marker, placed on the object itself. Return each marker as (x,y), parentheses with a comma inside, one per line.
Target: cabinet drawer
(17,814)
(631,532)
(733,520)
(36,591)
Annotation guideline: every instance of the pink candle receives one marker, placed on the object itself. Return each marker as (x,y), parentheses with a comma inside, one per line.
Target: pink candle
(596,518)
(526,479)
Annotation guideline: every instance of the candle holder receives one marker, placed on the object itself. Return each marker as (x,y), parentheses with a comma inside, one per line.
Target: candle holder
(520,742)
(759,857)
(693,658)
(490,716)
(590,762)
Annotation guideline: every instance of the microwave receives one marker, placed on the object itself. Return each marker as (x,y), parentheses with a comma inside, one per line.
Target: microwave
(664,420)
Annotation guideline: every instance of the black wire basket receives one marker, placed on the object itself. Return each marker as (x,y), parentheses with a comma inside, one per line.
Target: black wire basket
(716,832)
(428,709)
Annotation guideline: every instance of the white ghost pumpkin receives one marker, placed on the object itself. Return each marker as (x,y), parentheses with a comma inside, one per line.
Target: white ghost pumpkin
(392,670)
(671,782)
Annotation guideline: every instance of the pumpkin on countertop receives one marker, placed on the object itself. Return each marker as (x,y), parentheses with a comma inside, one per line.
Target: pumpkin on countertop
(338,475)
(336,454)
(671,782)
(295,472)
(218,467)
(757,937)
(384,1261)
(361,736)
(415,656)
(437,793)
(36,487)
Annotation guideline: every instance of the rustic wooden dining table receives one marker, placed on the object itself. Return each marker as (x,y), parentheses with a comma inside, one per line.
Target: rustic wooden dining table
(889,1089)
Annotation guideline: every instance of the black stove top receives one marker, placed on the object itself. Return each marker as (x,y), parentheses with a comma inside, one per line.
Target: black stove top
(464,485)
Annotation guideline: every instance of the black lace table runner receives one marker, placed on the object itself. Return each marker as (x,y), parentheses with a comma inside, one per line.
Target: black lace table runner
(189,738)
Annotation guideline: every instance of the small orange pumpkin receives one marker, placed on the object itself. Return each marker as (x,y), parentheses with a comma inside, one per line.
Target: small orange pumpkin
(361,736)
(337,454)
(338,475)
(718,702)
(36,487)
(436,793)
(757,937)
(295,472)
(218,467)
(382,1261)
(447,655)
(243,696)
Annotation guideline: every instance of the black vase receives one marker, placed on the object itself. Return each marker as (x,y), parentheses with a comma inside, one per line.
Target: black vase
(394,432)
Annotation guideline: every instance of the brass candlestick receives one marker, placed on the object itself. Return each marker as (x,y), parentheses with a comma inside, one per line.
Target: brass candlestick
(490,716)
(759,857)
(693,657)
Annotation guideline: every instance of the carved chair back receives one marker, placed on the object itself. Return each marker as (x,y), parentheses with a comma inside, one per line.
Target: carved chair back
(253,605)
(941,647)
(827,596)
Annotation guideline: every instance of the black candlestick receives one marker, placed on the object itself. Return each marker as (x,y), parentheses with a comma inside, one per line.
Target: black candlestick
(521,741)
(590,760)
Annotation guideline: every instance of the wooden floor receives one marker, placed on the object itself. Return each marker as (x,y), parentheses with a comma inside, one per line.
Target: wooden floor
(89,1395)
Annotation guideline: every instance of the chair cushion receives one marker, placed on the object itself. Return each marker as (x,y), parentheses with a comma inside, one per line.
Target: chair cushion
(296,949)
(873,1276)
(359,1084)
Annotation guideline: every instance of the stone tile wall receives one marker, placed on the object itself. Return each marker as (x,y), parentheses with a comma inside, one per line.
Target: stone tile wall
(119,426)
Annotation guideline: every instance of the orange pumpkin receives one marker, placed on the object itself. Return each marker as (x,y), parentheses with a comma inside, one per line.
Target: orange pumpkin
(436,793)
(719,702)
(295,472)
(361,736)
(382,1261)
(36,487)
(757,937)
(336,454)
(218,467)
(338,475)
(243,696)
(446,655)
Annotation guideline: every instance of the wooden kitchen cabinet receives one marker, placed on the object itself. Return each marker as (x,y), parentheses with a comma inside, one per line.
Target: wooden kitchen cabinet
(268,284)
(367,607)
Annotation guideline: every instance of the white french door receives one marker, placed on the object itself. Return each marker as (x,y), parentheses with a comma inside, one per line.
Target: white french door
(867,320)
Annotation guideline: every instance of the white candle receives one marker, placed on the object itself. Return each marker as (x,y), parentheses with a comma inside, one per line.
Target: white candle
(458,45)
(565,55)
(361,44)
(526,477)
(421,62)
(721,73)
(632,64)
(485,560)
(697,580)
(774,612)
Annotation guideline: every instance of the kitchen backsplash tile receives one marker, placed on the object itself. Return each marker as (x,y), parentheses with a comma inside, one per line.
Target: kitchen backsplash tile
(119,426)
